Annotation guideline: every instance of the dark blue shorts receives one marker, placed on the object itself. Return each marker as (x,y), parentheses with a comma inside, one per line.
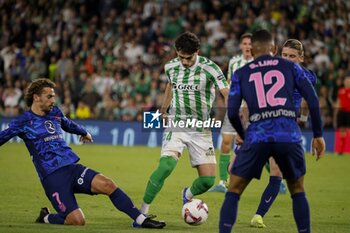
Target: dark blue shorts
(61,185)
(251,159)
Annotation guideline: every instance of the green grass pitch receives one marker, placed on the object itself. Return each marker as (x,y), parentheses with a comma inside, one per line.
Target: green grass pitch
(21,195)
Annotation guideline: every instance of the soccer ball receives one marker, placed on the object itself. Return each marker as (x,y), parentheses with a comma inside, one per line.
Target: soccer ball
(195,212)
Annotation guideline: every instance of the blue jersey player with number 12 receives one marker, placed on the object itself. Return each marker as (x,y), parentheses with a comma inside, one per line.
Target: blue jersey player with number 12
(56,164)
(267,85)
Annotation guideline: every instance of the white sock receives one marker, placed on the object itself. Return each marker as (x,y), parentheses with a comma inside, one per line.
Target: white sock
(46,219)
(222,182)
(189,194)
(144,208)
(140,219)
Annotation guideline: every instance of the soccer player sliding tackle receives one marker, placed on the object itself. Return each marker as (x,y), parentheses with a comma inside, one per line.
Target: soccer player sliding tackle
(41,129)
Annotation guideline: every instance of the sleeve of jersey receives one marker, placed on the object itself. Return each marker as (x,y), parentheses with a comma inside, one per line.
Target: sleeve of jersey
(229,70)
(233,105)
(71,127)
(13,130)
(167,76)
(307,91)
(217,76)
(221,81)
(313,78)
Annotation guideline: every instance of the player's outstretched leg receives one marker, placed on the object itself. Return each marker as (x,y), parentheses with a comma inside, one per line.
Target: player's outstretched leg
(156,181)
(103,185)
(123,203)
(149,223)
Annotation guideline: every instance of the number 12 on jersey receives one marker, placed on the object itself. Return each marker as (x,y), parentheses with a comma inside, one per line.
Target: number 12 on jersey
(269,97)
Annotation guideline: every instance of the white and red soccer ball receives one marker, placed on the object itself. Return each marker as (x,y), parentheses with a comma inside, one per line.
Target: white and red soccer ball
(195,212)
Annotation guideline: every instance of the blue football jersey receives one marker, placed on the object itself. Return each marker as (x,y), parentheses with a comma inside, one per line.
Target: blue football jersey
(267,84)
(297,96)
(44,139)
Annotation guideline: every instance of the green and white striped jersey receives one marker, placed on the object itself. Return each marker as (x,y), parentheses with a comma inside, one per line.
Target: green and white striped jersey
(193,89)
(235,63)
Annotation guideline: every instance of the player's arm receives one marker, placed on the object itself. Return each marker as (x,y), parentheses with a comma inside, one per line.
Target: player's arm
(71,127)
(304,111)
(244,114)
(233,105)
(13,130)
(224,92)
(229,70)
(308,92)
(220,82)
(167,99)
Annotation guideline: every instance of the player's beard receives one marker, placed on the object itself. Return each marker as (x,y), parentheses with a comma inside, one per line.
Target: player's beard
(48,108)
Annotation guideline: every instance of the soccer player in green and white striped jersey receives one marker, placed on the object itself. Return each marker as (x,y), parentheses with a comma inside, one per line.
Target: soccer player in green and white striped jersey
(228,133)
(190,94)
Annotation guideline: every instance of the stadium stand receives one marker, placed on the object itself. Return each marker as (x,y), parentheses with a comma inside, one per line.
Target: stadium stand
(107,57)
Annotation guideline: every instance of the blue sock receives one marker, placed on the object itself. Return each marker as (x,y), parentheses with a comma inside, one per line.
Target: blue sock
(228,213)
(123,203)
(301,212)
(56,219)
(269,195)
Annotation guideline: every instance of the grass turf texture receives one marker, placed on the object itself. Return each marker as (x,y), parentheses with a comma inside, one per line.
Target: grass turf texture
(22,196)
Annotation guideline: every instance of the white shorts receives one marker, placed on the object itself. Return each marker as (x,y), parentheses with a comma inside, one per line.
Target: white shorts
(226,127)
(199,144)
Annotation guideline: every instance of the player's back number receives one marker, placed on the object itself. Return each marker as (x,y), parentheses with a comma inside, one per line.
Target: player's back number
(261,81)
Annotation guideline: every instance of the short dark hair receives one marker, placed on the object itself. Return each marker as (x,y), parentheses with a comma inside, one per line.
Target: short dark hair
(245,35)
(187,43)
(294,44)
(262,36)
(35,88)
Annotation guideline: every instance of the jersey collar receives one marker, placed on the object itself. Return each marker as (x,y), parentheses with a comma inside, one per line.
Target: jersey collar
(193,66)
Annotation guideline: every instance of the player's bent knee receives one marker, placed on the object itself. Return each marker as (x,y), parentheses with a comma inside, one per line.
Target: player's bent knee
(103,185)
(296,186)
(226,145)
(109,185)
(76,217)
(225,149)
(237,184)
(167,165)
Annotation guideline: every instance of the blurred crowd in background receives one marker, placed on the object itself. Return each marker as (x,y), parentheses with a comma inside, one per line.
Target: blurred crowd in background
(107,57)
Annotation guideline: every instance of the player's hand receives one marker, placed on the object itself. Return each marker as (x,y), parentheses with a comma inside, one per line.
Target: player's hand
(239,140)
(86,138)
(302,124)
(318,147)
